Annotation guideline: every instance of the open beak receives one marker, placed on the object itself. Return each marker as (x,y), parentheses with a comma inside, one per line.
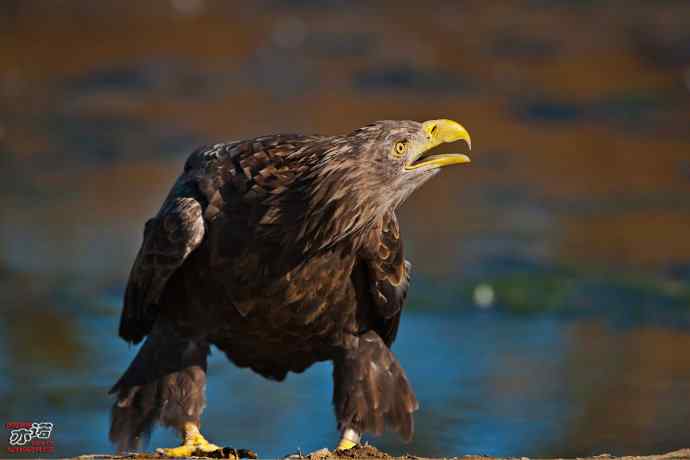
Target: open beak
(440,132)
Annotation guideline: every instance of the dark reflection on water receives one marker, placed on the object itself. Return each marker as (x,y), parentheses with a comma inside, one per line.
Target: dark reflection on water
(550,307)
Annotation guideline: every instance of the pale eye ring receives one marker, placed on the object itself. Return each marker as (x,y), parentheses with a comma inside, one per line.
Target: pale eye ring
(400,148)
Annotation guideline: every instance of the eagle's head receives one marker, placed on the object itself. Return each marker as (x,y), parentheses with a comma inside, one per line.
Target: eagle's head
(400,154)
(359,177)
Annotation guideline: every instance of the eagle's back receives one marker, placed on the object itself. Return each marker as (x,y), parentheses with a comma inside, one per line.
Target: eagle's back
(229,177)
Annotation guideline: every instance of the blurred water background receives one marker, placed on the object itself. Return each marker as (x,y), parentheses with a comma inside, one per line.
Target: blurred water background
(550,306)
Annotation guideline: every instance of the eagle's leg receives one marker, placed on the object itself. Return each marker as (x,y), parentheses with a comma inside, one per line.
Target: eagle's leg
(193,443)
(371,391)
(164,384)
(184,396)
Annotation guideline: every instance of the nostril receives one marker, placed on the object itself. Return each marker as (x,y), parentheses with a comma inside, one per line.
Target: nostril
(432,131)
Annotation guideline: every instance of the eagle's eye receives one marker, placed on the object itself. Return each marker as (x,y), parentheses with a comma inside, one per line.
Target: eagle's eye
(400,148)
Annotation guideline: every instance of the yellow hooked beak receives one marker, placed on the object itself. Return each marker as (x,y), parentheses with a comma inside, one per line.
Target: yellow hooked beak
(440,132)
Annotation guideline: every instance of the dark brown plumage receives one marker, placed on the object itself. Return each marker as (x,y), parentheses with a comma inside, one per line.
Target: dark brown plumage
(281,251)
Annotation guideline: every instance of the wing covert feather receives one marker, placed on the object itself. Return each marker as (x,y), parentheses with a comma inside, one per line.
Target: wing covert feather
(388,276)
(169,238)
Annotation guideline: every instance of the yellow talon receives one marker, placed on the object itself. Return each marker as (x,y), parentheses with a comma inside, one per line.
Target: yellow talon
(345,444)
(194,443)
